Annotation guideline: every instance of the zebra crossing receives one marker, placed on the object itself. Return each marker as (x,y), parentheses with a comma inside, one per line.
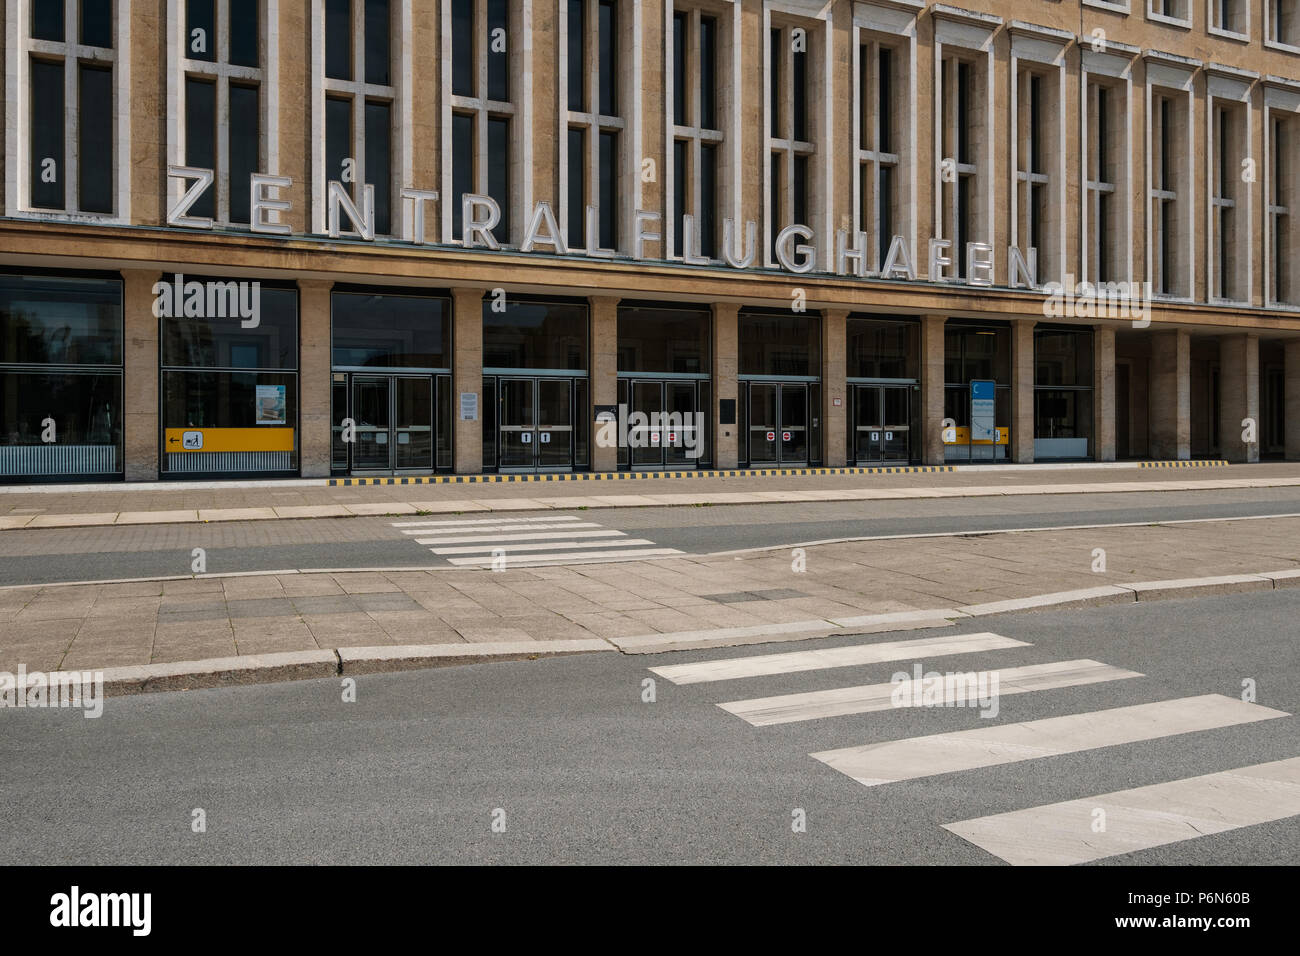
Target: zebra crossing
(528,542)
(1052,834)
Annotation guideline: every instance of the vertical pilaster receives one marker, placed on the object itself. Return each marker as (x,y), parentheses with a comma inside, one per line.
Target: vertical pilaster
(1239,397)
(834,343)
(467,377)
(1171,395)
(603,377)
(1103,394)
(726,438)
(1022,390)
(314,378)
(140,375)
(929,427)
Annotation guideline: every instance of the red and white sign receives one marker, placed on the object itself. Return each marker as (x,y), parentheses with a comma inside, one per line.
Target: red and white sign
(771,436)
(785,436)
(654,437)
(672,436)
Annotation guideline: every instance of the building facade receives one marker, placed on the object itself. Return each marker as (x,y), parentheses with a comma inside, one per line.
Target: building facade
(378,237)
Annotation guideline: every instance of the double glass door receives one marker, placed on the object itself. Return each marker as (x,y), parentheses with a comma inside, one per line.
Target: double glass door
(392,418)
(778,423)
(535,424)
(881,424)
(672,433)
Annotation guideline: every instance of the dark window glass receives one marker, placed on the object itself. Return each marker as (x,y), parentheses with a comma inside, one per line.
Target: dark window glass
(47,21)
(963,113)
(338,39)
(879,348)
(462,166)
(608,204)
(86,408)
(708,200)
(537,335)
(577,188)
(200,137)
(245,121)
(200,29)
(95,135)
(779,344)
(1035,124)
(97,23)
(245,33)
(1063,357)
(391,331)
(963,224)
(776,177)
(885,103)
(379,169)
(462,48)
(338,140)
(577,32)
(679,68)
(61,321)
(223,342)
(774,42)
(1103,159)
(885,223)
(663,340)
(498,160)
(377,42)
(681,188)
(499,59)
(800,187)
(708,73)
(194,399)
(800,69)
(608,63)
(977,353)
(48,153)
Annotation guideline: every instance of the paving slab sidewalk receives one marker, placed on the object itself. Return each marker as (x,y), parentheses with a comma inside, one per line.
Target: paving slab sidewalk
(674,602)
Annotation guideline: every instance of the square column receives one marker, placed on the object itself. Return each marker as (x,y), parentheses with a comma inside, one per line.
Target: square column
(1103,393)
(1239,397)
(1022,390)
(929,428)
(1171,395)
(315,378)
(603,375)
(467,378)
(834,417)
(726,438)
(1291,412)
(140,376)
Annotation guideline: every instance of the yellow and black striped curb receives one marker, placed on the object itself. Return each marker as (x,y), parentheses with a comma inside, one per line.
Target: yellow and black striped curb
(635,475)
(1197,463)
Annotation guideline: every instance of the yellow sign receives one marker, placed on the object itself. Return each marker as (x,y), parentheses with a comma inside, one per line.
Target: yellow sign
(229,439)
(961,436)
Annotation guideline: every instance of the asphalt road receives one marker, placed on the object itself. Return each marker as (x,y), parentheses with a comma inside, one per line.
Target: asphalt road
(87,554)
(587,772)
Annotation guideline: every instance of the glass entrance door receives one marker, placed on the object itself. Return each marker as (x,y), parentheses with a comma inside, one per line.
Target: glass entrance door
(778,424)
(535,424)
(517,423)
(881,424)
(554,442)
(372,415)
(412,439)
(393,418)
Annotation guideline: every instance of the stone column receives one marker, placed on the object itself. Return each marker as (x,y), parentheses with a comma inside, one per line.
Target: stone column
(467,377)
(315,379)
(1171,395)
(140,376)
(834,422)
(603,377)
(1291,412)
(1238,396)
(1022,390)
(928,431)
(726,438)
(1103,394)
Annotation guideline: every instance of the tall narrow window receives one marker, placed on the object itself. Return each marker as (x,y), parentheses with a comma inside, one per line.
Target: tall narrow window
(1282,22)
(1105,237)
(69,89)
(1228,255)
(1283,220)
(697,134)
(222,76)
(485,43)
(879,132)
(791,141)
(593,118)
(1169,219)
(1229,16)
(1037,217)
(962,178)
(359,100)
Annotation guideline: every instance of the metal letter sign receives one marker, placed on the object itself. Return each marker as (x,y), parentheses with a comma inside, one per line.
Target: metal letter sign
(983,417)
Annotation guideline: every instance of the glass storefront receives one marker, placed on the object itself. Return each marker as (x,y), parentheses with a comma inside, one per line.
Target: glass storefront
(391,395)
(60,377)
(976,353)
(881,362)
(1063,386)
(535,395)
(663,386)
(779,388)
(229,394)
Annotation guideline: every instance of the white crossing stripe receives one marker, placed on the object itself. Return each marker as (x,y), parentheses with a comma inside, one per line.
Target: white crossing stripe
(1060,834)
(479,523)
(796,661)
(543,546)
(531,536)
(502,527)
(762,711)
(571,556)
(913,757)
